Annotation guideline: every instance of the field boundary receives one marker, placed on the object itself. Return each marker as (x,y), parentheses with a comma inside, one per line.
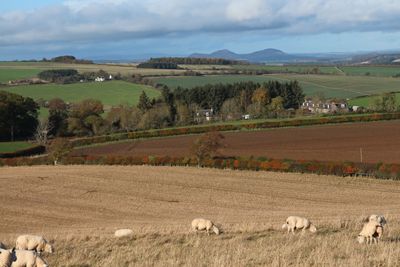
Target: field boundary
(374,170)
(79,142)
(31,151)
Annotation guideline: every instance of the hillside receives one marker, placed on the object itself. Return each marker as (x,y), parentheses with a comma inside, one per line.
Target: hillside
(80,208)
(266,55)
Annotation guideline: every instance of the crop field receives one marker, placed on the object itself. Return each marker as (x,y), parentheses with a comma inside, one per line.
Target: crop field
(369,100)
(15,74)
(341,142)
(110,93)
(329,85)
(371,70)
(291,68)
(6,147)
(124,69)
(78,208)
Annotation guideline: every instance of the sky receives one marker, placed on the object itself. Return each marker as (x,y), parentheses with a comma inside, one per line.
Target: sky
(137,29)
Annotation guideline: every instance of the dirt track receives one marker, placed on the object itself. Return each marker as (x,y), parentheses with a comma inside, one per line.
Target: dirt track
(79,199)
(380,142)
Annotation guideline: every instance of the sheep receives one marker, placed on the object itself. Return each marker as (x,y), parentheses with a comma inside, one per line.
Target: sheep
(296,222)
(203,224)
(379,219)
(123,232)
(33,242)
(368,232)
(27,258)
(6,257)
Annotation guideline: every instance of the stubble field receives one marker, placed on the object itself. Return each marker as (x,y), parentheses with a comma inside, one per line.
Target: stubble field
(79,207)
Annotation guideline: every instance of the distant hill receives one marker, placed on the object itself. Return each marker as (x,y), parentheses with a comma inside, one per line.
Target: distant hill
(271,55)
(266,55)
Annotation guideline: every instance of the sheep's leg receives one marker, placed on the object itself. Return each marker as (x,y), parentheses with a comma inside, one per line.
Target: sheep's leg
(208,231)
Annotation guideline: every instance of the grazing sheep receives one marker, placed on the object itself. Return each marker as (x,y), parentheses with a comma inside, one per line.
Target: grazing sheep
(123,232)
(27,258)
(203,224)
(295,222)
(368,232)
(33,242)
(6,257)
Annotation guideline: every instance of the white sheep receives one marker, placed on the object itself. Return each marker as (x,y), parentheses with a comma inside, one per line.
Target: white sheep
(33,242)
(6,257)
(295,222)
(368,232)
(123,232)
(203,224)
(27,258)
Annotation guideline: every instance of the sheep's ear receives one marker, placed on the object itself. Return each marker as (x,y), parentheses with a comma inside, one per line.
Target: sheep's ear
(13,249)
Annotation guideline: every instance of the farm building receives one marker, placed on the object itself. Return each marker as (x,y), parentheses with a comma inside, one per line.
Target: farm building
(325,107)
(204,114)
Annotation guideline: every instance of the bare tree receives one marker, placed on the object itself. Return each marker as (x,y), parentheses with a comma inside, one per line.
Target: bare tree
(59,148)
(42,132)
(207,145)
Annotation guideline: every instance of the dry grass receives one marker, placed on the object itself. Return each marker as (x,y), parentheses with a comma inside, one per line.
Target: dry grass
(79,208)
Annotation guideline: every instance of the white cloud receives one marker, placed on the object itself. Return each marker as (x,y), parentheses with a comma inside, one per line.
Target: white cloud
(93,20)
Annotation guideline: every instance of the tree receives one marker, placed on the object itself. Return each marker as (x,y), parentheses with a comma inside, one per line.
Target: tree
(42,132)
(231,110)
(385,102)
(144,102)
(155,118)
(59,148)
(124,117)
(183,114)
(168,98)
(275,107)
(58,114)
(85,117)
(207,145)
(18,116)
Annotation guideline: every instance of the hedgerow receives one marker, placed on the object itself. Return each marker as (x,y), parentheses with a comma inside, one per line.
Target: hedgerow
(377,170)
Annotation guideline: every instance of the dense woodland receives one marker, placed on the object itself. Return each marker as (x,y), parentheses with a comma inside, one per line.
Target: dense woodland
(158,65)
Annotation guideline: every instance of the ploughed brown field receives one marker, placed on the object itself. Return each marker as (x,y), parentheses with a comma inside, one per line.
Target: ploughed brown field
(380,142)
(79,207)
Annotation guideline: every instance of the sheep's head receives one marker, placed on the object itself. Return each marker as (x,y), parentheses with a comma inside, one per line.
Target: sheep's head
(216,230)
(313,229)
(48,248)
(284,225)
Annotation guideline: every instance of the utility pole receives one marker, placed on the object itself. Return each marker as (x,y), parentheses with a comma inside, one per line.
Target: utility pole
(361,154)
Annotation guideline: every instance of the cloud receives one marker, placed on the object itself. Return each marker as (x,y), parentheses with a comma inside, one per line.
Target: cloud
(85,21)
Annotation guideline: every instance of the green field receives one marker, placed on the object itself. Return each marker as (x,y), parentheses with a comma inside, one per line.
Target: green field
(385,71)
(110,93)
(330,85)
(124,69)
(291,68)
(8,147)
(368,100)
(15,74)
